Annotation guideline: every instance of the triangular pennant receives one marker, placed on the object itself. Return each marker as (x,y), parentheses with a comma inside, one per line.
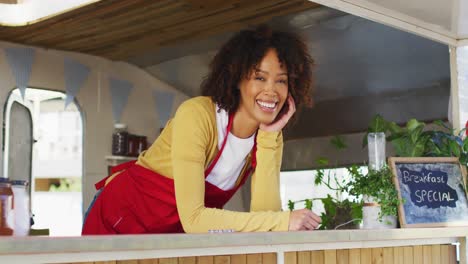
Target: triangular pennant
(75,76)
(120,90)
(20,60)
(163,102)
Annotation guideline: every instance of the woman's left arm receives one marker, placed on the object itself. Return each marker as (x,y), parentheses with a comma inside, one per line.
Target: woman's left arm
(265,189)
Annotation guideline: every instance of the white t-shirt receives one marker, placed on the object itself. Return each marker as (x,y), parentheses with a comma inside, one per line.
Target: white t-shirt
(226,171)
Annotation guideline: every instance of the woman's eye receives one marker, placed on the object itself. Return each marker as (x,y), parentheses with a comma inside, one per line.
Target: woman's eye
(283,81)
(259,78)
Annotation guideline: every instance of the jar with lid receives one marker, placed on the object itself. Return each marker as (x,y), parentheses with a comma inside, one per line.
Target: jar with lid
(6,208)
(21,209)
(120,140)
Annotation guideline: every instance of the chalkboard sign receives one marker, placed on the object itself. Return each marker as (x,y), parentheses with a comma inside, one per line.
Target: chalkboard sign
(433,190)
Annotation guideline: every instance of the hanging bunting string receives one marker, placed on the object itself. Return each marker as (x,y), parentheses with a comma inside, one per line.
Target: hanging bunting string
(120,91)
(164,102)
(75,76)
(21,61)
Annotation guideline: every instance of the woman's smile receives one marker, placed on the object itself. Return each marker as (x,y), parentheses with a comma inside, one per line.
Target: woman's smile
(267,106)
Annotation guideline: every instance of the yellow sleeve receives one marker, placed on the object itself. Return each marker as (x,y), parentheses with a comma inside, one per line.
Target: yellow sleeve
(265,189)
(191,138)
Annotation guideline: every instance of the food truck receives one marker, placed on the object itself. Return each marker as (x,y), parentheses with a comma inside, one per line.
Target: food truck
(74,74)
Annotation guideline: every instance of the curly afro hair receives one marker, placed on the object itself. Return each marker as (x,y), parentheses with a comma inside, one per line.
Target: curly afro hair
(239,57)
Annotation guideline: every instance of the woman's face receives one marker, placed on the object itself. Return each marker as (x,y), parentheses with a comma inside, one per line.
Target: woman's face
(264,93)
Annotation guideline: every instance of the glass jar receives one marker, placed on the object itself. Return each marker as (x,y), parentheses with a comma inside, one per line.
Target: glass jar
(376,150)
(6,208)
(132,145)
(142,144)
(120,140)
(21,209)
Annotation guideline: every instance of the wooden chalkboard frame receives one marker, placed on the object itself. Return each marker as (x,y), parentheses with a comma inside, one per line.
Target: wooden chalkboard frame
(392,161)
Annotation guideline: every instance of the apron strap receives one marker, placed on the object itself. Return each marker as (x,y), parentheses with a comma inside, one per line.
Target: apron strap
(215,160)
(254,153)
(253,164)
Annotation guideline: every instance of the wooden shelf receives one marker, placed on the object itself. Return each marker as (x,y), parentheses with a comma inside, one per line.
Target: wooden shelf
(116,160)
(120,158)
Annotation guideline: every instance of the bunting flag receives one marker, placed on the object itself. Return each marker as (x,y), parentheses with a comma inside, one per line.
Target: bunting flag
(120,90)
(163,102)
(75,77)
(20,60)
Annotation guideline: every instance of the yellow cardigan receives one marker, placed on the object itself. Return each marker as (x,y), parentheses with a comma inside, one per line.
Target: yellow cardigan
(184,150)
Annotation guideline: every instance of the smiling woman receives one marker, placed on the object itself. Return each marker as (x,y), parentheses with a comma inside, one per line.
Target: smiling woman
(213,144)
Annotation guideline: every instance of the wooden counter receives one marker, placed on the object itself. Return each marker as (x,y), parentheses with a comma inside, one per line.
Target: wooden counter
(421,245)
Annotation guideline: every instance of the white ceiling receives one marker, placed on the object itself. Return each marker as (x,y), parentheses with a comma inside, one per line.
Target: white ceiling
(439,14)
(442,20)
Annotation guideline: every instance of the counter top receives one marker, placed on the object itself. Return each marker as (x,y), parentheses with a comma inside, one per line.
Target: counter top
(11,245)
(170,245)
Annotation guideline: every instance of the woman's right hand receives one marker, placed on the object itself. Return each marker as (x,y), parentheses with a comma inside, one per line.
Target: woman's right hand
(303,219)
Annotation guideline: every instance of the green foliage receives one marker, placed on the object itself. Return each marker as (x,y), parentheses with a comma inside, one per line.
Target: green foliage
(377,124)
(414,140)
(338,142)
(376,184)
(336,212)
(339,212)
(447,143)
(290,205)
(411,140)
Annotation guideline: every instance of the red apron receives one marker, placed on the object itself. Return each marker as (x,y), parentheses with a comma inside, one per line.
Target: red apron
(139,200)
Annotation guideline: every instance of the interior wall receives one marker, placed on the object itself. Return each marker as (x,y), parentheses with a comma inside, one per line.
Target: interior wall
(94,99)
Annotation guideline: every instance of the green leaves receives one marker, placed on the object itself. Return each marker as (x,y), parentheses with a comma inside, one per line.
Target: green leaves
(409,141)
(329,204)
(376,184)
(339,142)
(378,124)
(447,143)
(321,161)
(308,204)
(339,212)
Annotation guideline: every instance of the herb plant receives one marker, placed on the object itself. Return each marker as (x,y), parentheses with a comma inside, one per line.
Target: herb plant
(338,213)
(376,184)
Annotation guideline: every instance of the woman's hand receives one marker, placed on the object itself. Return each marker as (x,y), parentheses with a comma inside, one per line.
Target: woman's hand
(303,219)
(281,121)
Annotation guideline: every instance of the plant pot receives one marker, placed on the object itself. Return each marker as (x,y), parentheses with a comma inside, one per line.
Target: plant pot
(343,219)
(370,216)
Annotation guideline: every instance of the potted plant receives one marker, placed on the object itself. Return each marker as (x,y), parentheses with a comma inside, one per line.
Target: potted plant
(339,213)
(412,140)
(380,198)
(445,142)
(379,195)
(344,214)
